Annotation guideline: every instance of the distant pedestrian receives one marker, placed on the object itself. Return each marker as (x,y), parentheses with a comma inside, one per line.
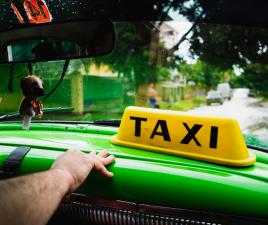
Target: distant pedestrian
(153,96)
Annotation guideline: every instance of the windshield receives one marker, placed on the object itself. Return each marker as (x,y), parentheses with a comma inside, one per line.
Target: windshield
(204,68)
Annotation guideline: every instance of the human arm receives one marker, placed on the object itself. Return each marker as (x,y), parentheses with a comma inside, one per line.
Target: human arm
(33,199)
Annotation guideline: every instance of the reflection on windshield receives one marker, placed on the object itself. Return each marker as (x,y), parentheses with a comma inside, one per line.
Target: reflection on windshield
(205,69)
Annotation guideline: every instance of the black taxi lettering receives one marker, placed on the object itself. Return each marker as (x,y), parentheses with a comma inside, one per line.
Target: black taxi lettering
(138,121)
(161,129)
(164,130)
(213,137)
(191,134)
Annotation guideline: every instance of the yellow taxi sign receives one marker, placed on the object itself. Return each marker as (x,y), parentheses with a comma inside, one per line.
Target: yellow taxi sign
(216,140)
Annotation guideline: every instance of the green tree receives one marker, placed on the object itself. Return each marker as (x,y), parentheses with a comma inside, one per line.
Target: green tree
(255,77)
(140,56)
(203,74)
(224,46)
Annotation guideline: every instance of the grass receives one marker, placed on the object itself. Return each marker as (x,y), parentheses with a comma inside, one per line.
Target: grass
(264,99)
(184,105)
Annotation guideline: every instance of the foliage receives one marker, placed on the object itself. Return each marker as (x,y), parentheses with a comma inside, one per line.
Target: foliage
(255,77)
(203,74)
(141,57)
(136,56)
(164,73)
(184,105)
(223,46)
(226,45)
(245,47)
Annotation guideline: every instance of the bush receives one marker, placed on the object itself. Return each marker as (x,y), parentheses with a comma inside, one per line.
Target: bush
(184,105)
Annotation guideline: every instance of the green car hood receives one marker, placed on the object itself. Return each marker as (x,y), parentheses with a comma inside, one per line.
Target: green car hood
(142,176)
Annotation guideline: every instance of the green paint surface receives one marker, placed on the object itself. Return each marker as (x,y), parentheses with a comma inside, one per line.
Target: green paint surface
(145,177)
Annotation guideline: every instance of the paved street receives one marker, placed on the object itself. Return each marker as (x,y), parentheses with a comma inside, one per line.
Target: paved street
(251,113)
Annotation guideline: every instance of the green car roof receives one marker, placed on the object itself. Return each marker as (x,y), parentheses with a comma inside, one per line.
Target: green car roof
(142,176)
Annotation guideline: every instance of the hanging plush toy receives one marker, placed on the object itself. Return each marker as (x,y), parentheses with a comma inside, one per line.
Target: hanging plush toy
(32,88)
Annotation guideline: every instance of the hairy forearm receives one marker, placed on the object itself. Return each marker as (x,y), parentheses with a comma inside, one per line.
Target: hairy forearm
(32,199)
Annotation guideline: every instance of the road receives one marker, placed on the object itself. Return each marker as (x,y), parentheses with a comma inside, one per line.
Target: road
(251,113)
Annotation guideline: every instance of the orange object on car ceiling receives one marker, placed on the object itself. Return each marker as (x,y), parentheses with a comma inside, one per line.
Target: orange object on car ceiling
(36,10)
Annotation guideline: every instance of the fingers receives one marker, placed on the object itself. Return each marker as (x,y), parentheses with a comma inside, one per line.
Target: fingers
(108,160)
(105,158)
(104,171)
(77,165)
(73,150)
(101,160)
(103,154)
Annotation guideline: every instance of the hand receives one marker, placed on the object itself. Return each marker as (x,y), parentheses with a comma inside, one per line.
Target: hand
(77,165)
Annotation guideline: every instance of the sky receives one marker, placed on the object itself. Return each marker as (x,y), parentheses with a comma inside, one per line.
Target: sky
(180,25)
(179,28)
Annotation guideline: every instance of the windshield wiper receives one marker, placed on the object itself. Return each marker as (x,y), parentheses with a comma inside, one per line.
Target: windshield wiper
(46,110)
(111,122)
(258,148)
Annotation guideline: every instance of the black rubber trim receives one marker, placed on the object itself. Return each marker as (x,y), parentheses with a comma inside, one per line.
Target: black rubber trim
(13,161)
(261,149)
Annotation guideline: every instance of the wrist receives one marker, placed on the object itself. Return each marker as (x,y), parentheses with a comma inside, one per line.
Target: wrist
(64,180)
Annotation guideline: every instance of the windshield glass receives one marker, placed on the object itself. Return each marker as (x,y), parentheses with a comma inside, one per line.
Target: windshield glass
(208,69)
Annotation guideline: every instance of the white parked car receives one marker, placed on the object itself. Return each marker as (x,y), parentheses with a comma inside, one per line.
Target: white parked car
(214,97)
(225,90)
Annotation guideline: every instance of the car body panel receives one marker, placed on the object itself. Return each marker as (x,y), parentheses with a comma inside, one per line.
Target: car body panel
(214,97)
(225,90)
(142,176)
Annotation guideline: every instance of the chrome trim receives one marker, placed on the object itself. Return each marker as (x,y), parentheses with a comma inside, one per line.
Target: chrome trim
(115,212)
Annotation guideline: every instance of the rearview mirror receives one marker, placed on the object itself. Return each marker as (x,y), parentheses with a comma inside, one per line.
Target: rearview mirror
(48,42)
